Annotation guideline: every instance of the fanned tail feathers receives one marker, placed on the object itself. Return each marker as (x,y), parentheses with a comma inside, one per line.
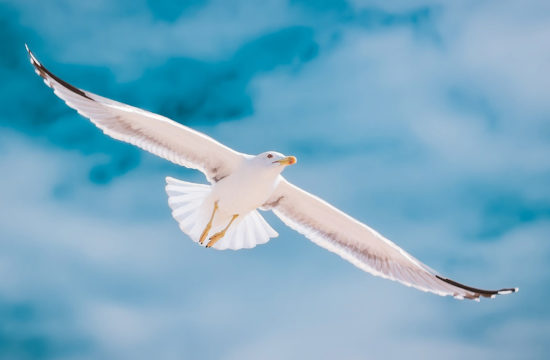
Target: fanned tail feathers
(191,210)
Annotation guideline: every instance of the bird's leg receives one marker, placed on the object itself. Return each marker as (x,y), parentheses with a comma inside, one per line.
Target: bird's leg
(217,236)
(209,225)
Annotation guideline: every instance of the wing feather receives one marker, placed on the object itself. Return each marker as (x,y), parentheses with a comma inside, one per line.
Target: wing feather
(365,248)
(151,132)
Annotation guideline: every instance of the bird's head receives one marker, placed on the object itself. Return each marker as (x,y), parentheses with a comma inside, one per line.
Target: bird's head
(274,160)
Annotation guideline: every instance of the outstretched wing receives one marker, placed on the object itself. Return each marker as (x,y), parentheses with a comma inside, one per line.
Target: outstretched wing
(154,133)
(334,230)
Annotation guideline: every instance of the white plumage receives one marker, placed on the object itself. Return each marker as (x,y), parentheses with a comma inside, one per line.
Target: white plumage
(185,198)
(240,184)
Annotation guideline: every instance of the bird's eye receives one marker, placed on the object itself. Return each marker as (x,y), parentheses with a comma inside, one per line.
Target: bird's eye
(269,156)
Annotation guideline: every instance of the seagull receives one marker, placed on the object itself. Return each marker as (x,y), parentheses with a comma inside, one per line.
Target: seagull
(224,214)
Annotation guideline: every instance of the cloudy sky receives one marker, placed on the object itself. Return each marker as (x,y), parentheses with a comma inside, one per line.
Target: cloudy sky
(428,120)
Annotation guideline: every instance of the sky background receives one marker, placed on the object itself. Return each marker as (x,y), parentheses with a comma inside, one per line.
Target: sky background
(427,120)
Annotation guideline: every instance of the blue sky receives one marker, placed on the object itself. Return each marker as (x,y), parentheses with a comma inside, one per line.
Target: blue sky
(433,118)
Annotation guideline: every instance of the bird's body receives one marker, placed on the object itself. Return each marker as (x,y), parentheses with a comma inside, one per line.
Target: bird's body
(224,214)
(239,194)
(247,189)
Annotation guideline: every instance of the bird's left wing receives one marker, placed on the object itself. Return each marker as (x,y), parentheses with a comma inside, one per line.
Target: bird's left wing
(154,133)
(336,231)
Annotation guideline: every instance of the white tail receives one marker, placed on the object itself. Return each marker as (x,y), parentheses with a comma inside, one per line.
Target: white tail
(191,210)
(186,199)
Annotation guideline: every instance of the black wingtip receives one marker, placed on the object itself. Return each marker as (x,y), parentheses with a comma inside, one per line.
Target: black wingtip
(47,75)
(479,292)
(507,291)
(37,65)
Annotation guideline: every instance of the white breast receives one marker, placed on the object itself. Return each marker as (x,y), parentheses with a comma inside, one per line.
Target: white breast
(245,190)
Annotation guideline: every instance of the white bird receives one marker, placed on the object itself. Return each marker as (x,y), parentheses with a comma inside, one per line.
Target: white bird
(224,214)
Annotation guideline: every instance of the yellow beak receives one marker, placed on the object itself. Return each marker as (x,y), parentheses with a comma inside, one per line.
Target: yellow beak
(289,160)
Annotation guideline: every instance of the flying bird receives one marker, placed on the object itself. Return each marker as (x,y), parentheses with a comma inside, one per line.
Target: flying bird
(224,214)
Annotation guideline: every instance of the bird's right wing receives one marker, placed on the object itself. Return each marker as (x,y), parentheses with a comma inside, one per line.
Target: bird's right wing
(154,133)
(338,232)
